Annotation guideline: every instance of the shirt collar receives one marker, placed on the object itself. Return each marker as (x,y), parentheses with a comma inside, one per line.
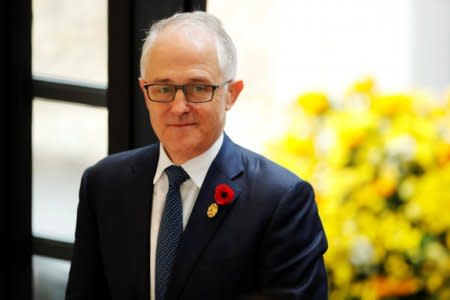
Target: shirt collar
(196,167)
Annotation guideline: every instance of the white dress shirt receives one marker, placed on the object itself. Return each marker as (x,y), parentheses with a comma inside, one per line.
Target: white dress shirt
(196,168)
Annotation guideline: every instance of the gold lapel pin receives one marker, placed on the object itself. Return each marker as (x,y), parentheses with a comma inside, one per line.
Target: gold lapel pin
(212,210)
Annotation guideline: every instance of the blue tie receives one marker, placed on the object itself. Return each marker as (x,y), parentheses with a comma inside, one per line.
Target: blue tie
(170,230)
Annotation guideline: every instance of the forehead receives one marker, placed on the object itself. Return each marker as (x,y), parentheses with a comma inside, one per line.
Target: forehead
(183,50)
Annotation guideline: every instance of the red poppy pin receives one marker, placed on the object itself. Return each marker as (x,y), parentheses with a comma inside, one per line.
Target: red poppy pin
(224,195)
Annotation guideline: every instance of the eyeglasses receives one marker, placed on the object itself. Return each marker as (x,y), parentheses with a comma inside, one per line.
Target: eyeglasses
(194,92)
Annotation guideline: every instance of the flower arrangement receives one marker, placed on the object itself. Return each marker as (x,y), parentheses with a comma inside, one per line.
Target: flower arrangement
(380,165)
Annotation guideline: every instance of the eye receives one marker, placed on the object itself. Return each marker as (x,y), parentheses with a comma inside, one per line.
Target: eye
(163,89)
(199,88)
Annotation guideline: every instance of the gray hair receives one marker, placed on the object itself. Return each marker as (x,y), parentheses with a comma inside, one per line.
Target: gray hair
(226,52)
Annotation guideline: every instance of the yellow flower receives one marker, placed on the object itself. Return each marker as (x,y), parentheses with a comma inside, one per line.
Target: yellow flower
(396,233)
(433,198)
(436,253)
(365,85)
(447,239)
(387,181)
(314,103)
(407,188)
(390,105)
(363,290)
(444,293)
(368,196)
(343,273)
(434,282)
(302,146)
(397,267)
(443,153)
(352,127)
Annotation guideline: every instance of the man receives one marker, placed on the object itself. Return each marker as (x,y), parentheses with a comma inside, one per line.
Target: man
(229,224)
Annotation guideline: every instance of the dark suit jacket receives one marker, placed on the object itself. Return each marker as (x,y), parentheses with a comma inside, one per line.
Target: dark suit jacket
(267,244)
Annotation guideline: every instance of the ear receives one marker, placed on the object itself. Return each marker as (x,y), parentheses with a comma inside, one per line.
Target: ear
(234,89)
(141,85)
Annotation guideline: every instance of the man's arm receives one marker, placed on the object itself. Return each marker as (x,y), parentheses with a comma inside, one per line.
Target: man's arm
(293,247)
(86,277)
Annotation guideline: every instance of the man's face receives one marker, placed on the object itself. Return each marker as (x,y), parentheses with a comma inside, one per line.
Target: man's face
(181,56)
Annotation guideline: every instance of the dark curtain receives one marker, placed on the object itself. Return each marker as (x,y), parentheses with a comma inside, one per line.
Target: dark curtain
(15,150)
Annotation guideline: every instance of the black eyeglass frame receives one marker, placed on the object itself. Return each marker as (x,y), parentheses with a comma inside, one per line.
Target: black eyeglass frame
(183,88)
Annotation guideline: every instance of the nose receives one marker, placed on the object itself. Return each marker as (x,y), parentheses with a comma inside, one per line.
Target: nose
(180,103)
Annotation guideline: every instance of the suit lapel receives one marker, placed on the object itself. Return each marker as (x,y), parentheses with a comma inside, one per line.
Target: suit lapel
(141,192)
(201,229)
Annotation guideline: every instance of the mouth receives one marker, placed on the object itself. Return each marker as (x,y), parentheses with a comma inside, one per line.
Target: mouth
(181,125)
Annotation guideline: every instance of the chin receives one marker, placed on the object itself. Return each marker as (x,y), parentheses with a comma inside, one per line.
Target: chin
(188,146)
(191,147)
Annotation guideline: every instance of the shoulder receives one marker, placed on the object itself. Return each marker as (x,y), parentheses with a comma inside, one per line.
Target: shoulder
(267,173)
(262,165)
(128,157)
(125,162)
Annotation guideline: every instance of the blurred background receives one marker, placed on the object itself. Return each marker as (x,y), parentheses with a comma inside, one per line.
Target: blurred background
(352,95)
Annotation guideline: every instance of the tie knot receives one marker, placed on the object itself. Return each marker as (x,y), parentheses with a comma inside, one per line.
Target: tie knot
(176,175)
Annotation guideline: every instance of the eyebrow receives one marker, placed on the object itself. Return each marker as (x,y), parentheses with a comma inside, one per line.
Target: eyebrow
(190,80)
(162,80)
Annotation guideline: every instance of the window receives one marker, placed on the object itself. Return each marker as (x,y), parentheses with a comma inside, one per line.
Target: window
(69,126)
